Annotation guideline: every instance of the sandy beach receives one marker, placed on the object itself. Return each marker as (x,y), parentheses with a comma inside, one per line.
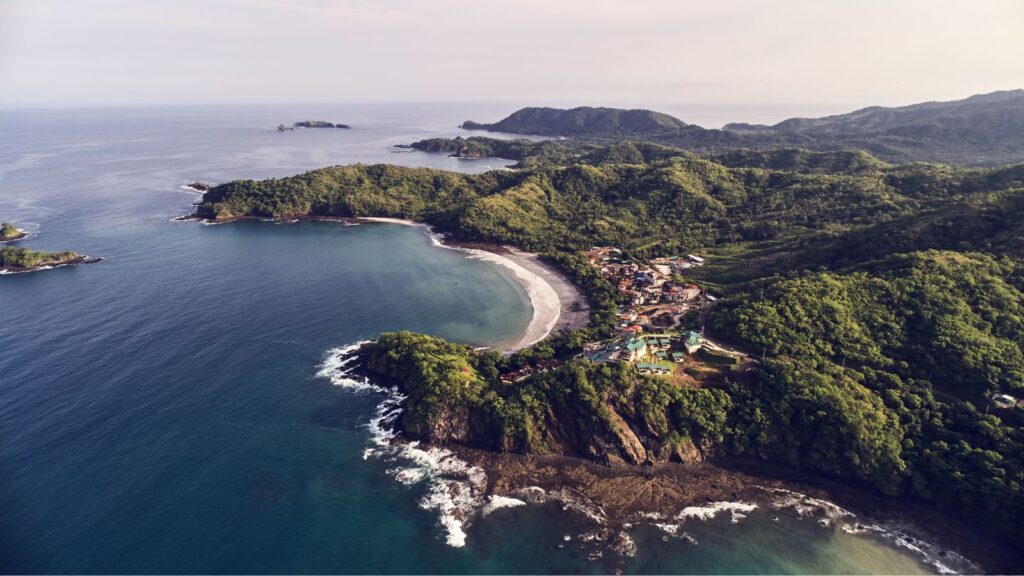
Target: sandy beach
(557,303)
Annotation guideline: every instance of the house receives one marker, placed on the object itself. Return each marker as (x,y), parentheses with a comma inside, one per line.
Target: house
(692,341)
(1004,400)
(636,349)
(689,291)
(632,330)
(648,368)
(677,356)
(695,259)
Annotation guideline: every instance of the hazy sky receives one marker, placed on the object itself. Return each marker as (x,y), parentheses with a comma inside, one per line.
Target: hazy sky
(107,52)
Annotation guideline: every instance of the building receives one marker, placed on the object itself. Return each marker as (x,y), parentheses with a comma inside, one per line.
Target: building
(648,368)
(1004,400)
(689,291)
(636,349)
(692,341)
(632,330)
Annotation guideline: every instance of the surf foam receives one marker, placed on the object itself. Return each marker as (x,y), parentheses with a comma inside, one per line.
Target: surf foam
(454,488)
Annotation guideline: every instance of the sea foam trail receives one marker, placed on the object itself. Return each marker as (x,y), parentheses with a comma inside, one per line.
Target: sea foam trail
(454,488)
(830,514)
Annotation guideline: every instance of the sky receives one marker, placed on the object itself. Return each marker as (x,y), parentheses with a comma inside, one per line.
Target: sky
(817,53)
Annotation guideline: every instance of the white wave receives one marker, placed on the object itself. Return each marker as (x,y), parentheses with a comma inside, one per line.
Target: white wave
(830,514)
(40,269)
(339,365)
(625,545)
(738,511)
(805,505)
(496,502)
(672,529)
(454,488)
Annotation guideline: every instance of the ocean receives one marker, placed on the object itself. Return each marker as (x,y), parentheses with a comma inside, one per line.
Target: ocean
(169,410)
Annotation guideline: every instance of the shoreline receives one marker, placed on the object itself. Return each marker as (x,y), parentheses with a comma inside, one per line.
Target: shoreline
(667,495)
(466,484)
(618,497)
(557,303)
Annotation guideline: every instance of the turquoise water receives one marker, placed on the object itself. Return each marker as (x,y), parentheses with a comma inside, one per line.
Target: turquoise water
(160,411)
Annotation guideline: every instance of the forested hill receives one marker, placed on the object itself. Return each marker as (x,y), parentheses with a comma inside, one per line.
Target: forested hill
(583,121)
(983,130)
(653,200)
(887,302)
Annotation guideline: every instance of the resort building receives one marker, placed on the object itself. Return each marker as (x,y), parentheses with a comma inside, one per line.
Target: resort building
(648,368)
(692,342)
(636,348)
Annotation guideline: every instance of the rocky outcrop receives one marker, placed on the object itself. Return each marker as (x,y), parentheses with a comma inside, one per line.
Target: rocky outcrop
(628,443)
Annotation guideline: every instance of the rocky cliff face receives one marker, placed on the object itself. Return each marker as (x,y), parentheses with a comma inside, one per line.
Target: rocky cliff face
(605,413)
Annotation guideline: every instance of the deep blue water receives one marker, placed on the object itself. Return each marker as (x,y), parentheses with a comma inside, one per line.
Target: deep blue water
(160,411)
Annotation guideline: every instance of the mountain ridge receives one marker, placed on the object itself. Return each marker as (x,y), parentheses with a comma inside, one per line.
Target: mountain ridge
(981,130)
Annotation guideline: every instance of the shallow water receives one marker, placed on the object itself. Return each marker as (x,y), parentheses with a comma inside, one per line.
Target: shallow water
(160,411)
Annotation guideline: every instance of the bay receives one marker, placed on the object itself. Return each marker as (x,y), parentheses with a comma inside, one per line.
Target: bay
(160,411)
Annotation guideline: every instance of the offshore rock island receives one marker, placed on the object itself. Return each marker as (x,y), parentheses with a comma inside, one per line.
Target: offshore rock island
(827,313)
(9,233)
(15,260)
(311,124)
(18,260)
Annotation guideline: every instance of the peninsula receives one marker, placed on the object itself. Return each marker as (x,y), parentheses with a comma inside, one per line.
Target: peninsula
(828,313)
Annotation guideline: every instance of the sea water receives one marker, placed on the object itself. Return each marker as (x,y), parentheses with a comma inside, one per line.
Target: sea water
(171,409)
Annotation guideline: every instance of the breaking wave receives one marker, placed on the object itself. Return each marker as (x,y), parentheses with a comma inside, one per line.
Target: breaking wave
(828,514)
(454,488)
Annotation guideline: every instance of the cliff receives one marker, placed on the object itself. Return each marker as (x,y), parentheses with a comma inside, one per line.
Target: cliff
(606,413)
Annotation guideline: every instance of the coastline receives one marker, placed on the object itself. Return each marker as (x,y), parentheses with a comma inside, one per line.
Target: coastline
(465,484)
(557,303)
(668,495)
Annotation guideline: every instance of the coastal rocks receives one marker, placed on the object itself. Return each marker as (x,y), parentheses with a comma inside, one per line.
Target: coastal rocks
(686,452)
(631,446)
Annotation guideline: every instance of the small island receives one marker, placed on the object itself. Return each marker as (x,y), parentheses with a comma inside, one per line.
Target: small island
(16,260)
(311,124)
(9,233)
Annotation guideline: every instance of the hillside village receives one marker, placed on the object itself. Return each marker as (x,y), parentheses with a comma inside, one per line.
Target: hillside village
(658,327)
